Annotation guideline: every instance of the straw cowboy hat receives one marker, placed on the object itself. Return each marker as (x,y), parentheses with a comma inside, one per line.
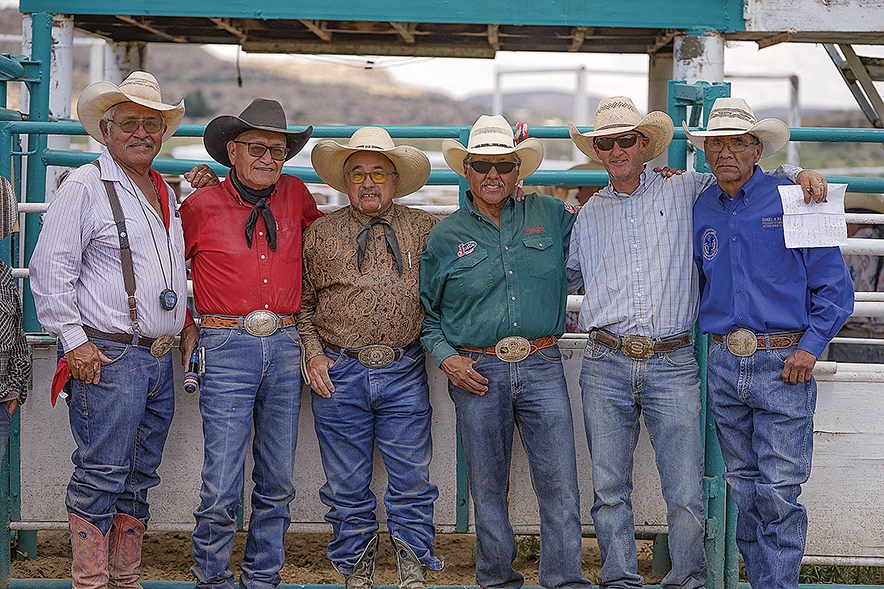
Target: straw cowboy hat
(411,164)
(140,87)
(262,115)
(493,135)
(618,114)
(857,202)
(733,116)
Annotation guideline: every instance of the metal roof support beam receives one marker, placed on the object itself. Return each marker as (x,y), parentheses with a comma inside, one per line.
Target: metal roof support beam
(493,37)
(317,27)
(405,30)
(224,23)
(151,29)
(865,81)
(662,40)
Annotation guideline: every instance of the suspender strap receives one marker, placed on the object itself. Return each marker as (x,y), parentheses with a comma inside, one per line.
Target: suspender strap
(125,252)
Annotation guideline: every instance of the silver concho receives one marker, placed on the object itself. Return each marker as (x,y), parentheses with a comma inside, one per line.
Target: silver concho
(741,342)
(261,323)
(512,349)
(376,356)
(161,345)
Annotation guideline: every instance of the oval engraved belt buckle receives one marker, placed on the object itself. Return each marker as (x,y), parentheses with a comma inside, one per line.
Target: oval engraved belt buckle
(637,347)
(512,349)
(376,356)
(741,342)
(261,323)
(161,345)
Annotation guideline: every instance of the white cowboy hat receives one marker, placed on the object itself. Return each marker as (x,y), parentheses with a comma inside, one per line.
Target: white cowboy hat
(140,87)
(861,201)
(733,116)
(493,135)
(618,114)
(411,164)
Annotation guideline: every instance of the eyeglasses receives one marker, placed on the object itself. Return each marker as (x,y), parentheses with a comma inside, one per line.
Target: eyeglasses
(624,141)
(259,149)
(484,167)
(377,176)
(131,125)
(738,146)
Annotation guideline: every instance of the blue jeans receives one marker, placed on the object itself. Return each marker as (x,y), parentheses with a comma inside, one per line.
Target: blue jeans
(249,381)
(120,427)
(765,427)
(532,395)
(390,406)
(616,391)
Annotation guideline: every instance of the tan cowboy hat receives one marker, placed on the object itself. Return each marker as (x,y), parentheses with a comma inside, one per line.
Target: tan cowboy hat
(411,164)
(733,116)
(492,135)
(140,87)
(861,201)
(262,115)
(618,114)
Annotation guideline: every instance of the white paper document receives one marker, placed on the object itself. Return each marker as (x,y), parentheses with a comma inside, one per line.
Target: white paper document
(815,224)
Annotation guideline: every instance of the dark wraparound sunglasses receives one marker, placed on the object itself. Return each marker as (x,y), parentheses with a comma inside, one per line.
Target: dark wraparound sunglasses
(484,167)
(624,141)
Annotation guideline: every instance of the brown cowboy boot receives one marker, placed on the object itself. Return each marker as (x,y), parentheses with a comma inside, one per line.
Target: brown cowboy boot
(89,548)
(412,574)
(362,576)
(124,552)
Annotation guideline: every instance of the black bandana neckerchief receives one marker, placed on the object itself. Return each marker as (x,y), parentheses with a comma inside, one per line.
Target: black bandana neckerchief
(259,199)
(392,242)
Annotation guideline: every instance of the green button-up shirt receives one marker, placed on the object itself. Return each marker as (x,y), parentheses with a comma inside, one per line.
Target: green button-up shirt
(481,283)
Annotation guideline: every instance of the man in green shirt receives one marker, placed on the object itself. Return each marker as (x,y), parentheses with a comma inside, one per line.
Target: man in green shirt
(494,289)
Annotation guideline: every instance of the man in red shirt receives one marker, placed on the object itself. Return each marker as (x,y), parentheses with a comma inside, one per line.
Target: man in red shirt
(243,238)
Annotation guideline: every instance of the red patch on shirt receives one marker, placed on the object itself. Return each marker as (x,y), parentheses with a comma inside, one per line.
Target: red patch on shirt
(535,230)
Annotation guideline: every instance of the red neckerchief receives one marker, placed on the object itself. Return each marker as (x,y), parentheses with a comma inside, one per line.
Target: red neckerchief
(163,193)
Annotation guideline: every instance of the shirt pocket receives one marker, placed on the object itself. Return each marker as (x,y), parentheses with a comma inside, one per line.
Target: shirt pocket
(472,273)
(540,255)
(769,254)
(288,239)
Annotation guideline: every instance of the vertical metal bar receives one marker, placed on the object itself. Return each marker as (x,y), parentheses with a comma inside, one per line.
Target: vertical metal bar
(678,149)
(463,184)
(462,510)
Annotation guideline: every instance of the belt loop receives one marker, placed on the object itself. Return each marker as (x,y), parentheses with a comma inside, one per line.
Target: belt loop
(767,342)
(239,324)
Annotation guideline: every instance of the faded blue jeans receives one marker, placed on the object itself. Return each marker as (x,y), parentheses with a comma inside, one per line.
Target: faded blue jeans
(617,390)
(120,427)
(765,427)
(390,406)
(531,395)
(249,381)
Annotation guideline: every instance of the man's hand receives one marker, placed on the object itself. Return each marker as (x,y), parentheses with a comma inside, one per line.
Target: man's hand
(668,172)
(317,370)
(460,371)
(201,175)
(814,186)
(85,361)
(518,193)
(799,366)
(11,407)
(189,336)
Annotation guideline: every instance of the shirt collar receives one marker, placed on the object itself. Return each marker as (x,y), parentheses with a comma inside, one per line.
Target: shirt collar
(471,207)
(228,186)
(644,181)
(362,218)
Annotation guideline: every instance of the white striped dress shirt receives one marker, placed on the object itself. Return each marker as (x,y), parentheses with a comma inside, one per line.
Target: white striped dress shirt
(76,272)
(635,253)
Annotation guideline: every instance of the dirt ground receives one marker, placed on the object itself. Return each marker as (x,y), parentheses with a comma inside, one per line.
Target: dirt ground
(166,556)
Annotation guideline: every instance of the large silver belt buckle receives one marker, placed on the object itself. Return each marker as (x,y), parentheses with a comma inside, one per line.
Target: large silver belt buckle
(261,323)
(637,347)
(512,349)
(741,342)
(161,345)
(376,356)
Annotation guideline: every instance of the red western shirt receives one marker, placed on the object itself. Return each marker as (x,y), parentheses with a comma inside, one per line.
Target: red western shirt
(229,278)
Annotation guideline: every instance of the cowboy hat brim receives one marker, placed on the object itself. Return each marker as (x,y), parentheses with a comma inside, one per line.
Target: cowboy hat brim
(656,126)
(530,152)
(98,97)
(772,133)
(412,165)
(226,128)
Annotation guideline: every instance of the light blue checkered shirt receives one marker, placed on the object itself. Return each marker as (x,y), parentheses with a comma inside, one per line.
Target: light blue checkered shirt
(635,253)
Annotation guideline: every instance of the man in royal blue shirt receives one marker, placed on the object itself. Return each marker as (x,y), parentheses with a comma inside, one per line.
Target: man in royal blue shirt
(771,311)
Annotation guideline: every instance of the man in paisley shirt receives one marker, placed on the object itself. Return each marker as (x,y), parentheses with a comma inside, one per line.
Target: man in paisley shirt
(360,321)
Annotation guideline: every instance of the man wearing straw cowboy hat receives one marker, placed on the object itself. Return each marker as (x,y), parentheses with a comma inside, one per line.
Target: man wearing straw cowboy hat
(360,319)
(243,238)
(771,311)
(632,242)
(493,285)
(109,282)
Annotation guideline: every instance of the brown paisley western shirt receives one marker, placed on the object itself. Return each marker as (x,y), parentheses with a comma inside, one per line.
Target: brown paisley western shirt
(351,309)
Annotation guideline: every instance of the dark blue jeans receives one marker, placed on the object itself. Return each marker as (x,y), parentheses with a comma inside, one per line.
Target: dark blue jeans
(390,406)
(120,427)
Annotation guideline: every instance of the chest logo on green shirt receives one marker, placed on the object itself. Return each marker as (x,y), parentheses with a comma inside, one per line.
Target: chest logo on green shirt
(710,244)
(465,248)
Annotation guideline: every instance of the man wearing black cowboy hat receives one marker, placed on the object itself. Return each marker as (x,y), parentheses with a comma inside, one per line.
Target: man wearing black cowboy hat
(243,238)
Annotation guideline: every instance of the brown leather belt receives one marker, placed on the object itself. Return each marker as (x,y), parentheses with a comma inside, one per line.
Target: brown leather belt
(374,356)
(513,349)
(742,342)
(258,323)
(640,347)
(123,338)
